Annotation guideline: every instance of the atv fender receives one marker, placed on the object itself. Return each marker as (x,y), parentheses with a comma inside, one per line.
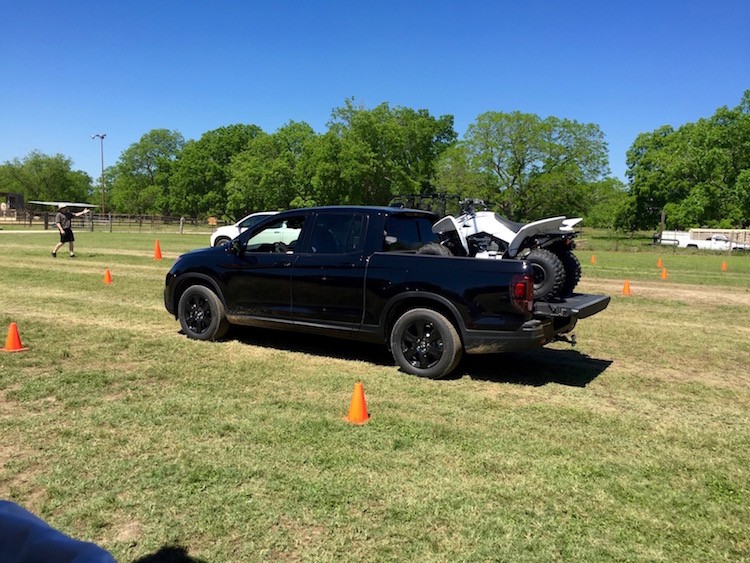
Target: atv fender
(568,224)
(448,224)
(543,226)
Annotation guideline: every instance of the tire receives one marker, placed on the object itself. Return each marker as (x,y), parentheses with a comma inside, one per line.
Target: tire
(425,343)
(549,273)
(434,249)
(201,313)
(221,241)
(572,273)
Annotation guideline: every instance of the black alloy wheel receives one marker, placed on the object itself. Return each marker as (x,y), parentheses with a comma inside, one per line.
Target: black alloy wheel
(425,343)
(201,314)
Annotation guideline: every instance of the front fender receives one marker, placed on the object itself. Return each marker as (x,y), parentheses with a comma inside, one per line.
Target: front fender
(448,224)
(176,287)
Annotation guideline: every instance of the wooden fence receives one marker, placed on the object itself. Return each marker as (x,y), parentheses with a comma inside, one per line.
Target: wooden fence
(116,223)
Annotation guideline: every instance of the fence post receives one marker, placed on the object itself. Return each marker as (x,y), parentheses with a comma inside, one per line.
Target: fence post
(182,224)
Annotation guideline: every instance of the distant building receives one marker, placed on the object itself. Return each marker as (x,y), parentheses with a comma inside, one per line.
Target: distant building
(10,203)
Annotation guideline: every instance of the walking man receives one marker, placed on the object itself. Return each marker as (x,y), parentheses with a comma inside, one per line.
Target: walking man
(62,222)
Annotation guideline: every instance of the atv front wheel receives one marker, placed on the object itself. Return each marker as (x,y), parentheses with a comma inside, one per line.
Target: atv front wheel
(434,249)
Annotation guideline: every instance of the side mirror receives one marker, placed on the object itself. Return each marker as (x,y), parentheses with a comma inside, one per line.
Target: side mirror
(235,248)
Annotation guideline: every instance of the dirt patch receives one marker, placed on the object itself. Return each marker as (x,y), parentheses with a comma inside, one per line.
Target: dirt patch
(128,532)
(691,294)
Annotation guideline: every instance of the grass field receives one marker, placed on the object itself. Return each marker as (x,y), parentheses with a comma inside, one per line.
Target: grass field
(633,446)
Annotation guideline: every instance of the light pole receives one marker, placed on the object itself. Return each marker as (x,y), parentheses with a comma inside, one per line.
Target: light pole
(101,136)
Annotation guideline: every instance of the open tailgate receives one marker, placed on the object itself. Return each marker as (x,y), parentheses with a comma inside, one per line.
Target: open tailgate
(578,305)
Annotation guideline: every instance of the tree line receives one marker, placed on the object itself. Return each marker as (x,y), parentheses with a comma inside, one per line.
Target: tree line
(526,167)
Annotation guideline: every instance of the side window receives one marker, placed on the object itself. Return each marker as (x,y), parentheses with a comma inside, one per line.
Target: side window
(411,232)
(279,236)
(337,233)
(425,231)
(250,221)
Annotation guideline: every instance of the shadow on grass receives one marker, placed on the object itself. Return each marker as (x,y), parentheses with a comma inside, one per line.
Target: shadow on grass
(313,344)
(535,368)
(169,554)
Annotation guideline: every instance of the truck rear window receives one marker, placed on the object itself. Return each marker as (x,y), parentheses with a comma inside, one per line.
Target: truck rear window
(411,232)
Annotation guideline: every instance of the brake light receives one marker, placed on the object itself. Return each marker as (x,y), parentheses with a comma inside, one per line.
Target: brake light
(522,293)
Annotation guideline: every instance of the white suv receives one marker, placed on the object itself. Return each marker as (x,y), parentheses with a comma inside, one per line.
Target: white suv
(223,235)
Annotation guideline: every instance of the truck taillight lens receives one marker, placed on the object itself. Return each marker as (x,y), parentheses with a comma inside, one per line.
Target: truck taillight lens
(522,293)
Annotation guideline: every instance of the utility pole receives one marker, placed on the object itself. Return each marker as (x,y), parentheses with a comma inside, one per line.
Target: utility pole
(101,136)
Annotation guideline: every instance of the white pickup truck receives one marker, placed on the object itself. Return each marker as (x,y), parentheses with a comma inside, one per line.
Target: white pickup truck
(684,239)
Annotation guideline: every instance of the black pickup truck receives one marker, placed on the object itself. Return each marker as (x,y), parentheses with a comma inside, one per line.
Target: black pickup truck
(353,272)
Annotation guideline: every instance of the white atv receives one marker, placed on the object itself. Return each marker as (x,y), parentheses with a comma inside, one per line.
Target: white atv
(546,244)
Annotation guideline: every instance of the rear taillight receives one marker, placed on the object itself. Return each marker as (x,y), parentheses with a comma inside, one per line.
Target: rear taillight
(522,293)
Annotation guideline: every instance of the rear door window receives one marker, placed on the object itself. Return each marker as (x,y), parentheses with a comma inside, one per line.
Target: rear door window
(337,233)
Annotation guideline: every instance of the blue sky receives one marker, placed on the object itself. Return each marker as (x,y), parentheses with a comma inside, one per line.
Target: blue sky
(72,69)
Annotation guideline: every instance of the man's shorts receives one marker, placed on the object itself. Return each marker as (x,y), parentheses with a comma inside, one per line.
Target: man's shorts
(67,235)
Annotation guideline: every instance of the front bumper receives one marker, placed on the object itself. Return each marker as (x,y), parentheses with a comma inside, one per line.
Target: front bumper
(169,303)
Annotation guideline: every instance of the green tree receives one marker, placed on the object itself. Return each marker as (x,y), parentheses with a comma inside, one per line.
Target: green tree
(140,179)
(526,166)
(43,177)
(198,183)
(368,156)
(268,174)
(604,200)
(695,174)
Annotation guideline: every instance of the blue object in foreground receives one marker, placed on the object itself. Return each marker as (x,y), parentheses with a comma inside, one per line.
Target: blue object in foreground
(26,538)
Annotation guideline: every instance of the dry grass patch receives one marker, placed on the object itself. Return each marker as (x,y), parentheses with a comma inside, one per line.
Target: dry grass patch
(117,429)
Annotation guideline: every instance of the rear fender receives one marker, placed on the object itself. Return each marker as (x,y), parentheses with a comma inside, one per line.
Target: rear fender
(569,224)
(543,226)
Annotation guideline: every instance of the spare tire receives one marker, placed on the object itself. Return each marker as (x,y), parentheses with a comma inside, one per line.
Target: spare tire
(548,271)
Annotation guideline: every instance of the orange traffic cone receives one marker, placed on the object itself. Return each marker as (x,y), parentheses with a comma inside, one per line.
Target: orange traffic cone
(358,410)
(157,251)
(626,288)
(107,276)
(663,273)
(593,259)
(13,342)
(659,263)
(723,266)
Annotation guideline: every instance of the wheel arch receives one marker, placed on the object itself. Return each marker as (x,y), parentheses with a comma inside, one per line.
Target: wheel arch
(222,239)
(416,300)
(194,278)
